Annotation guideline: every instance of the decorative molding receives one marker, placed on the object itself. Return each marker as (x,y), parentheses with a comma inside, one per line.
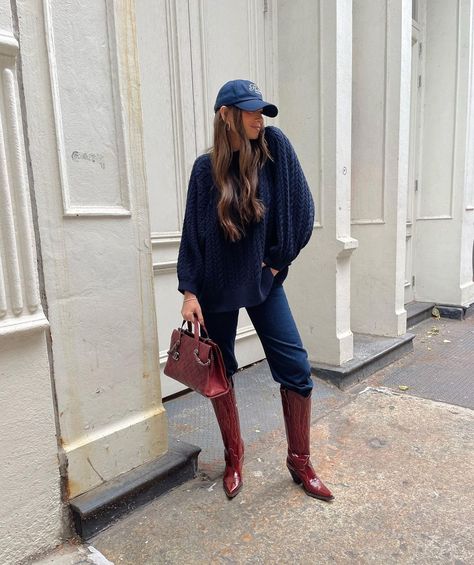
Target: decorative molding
(122,425)
(165,267)
(3,294)
(377,221)
(161,238)
(205,74)
(23,324)
(70,208)
(176,106)
(21,195)
(320,199)
(468,155)
(441,217)
(245,332)
(8,45)
(200,72)
(252,40)
(270,32)
(9,232)
(74,211)
(385,131)
(18,274)
(346,245)
(457,118)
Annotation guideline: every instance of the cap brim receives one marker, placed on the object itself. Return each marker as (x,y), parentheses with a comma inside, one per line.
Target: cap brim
(269,110)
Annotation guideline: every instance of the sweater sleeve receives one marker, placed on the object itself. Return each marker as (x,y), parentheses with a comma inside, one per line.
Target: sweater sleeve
(293,204)
(190,257)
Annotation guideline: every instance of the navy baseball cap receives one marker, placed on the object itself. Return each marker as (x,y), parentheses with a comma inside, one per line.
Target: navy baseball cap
(245,95)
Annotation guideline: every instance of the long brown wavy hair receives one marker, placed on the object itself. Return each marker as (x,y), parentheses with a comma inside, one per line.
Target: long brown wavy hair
(233,202)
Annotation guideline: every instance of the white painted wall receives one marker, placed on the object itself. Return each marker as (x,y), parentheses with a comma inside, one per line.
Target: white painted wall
(85,131)
(30,501)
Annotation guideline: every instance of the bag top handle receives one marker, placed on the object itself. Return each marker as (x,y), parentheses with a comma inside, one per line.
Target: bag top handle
(196,329)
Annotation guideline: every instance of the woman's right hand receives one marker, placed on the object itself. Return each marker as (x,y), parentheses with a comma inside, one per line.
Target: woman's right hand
(191,308)
(274,271)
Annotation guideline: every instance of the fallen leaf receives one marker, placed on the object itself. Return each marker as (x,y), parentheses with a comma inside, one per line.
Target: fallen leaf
(403,387)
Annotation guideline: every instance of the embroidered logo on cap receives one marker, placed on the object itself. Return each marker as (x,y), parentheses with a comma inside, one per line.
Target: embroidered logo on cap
(254,88)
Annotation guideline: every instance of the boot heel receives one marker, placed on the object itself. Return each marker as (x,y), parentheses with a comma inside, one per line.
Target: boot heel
(295,477)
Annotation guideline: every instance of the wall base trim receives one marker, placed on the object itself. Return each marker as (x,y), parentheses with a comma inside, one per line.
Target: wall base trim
(418,311)
(371,353)
(98,508)
(455,312)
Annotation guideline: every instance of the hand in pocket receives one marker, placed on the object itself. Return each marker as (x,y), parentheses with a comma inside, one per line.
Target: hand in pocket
(274,271)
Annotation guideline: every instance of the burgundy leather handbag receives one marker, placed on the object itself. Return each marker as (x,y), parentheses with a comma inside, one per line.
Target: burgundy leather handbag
(196,362)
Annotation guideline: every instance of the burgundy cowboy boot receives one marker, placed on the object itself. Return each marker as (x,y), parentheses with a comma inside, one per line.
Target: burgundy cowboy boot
(225,407)
(297,414)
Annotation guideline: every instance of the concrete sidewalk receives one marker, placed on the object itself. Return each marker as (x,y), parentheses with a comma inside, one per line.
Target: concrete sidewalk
(400,467)
(401,471)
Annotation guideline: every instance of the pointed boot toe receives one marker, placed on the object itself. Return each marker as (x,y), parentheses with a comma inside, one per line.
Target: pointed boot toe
(232,483)
(232,480)
(303,474)
(316,488)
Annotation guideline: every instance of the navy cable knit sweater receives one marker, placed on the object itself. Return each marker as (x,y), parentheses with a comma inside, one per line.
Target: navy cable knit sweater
(227,275)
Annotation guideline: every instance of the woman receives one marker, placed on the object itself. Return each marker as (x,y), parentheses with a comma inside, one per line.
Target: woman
(249,212)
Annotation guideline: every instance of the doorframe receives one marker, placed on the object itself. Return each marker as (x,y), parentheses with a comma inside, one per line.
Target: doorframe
(415,145)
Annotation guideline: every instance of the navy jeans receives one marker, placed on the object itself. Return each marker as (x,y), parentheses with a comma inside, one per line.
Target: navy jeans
(277,331)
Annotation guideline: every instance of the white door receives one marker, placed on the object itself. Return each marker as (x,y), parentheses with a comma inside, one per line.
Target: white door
(414,150)
(188,50)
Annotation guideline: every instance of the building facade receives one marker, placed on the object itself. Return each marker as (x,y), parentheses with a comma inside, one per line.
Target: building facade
(104,107)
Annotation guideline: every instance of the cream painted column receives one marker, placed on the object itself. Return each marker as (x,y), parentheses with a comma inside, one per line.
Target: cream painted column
(380,141)
(82,96)
(314,78)
(30,499)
